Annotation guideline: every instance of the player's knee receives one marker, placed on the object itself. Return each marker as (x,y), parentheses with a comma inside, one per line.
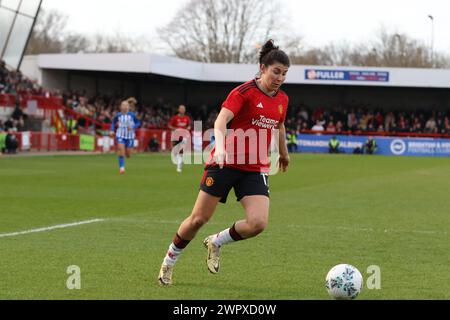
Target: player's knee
(258,226)
(197,221)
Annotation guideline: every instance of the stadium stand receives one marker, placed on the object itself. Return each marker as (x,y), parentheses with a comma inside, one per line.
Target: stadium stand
(77,111)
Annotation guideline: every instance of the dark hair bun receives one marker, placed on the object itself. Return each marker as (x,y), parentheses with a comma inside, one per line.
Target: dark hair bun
(270,54)
(266,48)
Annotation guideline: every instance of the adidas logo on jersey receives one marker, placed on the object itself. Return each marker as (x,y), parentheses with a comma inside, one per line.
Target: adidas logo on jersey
(260,105)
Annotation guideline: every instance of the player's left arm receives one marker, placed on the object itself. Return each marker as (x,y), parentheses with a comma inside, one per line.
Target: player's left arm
(284,154)
(189,125)
(137,123)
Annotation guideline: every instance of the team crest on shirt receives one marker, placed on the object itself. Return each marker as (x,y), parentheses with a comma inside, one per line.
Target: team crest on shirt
(280,108)
(209,181)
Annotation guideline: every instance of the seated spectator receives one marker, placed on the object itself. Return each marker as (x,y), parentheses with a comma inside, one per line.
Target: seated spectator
(333,145)
(430,125)
(370,128)
(370,147)
(339,127)
(447,125)
(318,126)
(11,143)
(417,126)
(440,126)
(18,113)
(304,127)
(2,142)
(291,138)
(153,145)
(9,124)
(72,125)
(21,125)
(331,127)
(352,121)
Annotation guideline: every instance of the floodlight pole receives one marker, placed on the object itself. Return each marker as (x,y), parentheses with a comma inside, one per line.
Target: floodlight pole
(432,39)
(29,34)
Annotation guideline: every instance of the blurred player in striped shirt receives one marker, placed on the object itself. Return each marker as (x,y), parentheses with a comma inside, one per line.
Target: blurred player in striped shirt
(123,127)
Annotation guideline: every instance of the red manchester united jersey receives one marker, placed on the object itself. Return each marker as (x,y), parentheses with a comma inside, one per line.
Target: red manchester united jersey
(180,122)
(249,136)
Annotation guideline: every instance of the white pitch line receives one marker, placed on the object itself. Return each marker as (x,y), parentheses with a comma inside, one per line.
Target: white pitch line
(59,226)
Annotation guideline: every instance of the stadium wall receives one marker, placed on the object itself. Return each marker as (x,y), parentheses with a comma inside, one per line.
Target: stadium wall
(387,146)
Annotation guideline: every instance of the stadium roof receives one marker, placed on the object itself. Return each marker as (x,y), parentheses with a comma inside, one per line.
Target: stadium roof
(221,72)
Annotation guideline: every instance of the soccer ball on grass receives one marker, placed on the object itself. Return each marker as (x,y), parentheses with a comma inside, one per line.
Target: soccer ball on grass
(344,282)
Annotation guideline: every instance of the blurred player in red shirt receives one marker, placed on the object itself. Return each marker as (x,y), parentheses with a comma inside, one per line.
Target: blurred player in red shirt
(240,160)
(180,121)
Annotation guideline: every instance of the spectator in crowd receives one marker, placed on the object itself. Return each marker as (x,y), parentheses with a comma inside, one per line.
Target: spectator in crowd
(72,125)
(2,142)
(2,137)
(11,143)
(446,125)
(291,138)
(339,127)
(370,127)
(333,145)
(18,113)
(331,128)
(21,125)
(153,145)
(352,121)
(318,126)
(370,147)
(431,126)
(303,113)
(9,124)
(389,121)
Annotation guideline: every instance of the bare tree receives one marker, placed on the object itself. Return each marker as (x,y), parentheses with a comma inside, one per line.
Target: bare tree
(388,49)
(220,30)
(75,43)
(117,43)
(400,50)
(50,36)
(48,33)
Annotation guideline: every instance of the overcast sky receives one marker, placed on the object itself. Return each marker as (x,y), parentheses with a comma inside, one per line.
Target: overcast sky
(318,21)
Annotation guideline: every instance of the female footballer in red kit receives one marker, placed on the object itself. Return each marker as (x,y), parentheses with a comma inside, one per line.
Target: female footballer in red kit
(259,107)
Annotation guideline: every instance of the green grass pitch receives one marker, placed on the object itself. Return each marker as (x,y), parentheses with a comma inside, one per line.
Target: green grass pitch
(364,210)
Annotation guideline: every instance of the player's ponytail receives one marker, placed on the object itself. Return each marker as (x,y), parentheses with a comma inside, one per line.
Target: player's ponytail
(270,54)
(132,103)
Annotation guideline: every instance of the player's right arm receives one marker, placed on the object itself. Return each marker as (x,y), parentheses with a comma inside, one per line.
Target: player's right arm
(230,108)
(220,130)
(112,130)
